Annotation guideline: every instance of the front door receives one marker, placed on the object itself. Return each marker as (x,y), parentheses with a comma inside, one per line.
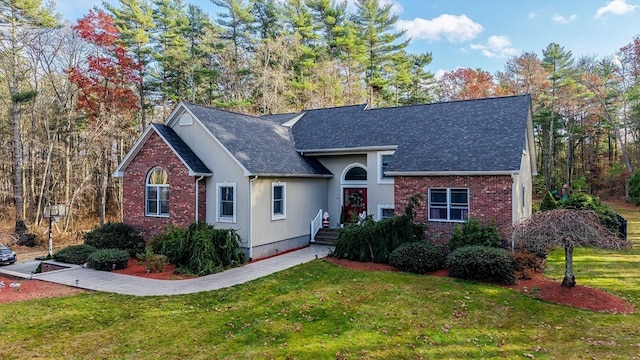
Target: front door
(354,203)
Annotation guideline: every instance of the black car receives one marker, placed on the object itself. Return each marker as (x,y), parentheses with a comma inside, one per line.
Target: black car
(7,256)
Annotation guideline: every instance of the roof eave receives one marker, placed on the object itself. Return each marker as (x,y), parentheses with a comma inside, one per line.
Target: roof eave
(289,175)
(452,173)
(339,151)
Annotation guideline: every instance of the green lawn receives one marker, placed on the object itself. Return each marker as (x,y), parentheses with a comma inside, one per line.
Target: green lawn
(321,311)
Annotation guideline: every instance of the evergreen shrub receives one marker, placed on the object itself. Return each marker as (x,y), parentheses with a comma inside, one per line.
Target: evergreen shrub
(583,201)
(116,236)
(76,254)
(375,240)
(417,257)
(548,202)
(482,263)
(473,232)
(201,249)
(105,259)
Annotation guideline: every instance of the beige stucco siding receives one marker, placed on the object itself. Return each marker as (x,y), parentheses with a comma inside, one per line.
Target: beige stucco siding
(378,194)
(225,169)
(303,198)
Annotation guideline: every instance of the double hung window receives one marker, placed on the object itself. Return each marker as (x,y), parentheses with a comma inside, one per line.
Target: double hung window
(226,202)
(448,204)
(157,193)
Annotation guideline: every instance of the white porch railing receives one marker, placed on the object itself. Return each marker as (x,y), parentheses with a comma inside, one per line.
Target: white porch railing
(316,224)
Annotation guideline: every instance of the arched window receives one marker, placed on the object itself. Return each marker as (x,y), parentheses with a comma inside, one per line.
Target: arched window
(356,174)
(157,192)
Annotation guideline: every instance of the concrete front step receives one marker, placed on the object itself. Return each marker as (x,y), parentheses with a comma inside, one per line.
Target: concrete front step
(326,236)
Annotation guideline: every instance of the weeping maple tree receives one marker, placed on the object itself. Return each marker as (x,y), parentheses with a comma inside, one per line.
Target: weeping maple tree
(107,93)
(567,228)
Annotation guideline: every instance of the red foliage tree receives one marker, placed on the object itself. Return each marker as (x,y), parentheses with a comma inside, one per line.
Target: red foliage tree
(466,84)
(107,80)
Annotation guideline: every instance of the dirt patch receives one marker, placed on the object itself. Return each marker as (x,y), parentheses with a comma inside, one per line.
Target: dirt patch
(539,287)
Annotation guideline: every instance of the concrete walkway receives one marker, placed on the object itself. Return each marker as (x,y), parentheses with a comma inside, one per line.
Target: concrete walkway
(134,285)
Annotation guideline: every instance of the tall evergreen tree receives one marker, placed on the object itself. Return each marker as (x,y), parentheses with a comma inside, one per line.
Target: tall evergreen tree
(268,14)
(201,42)
(375,23)
(559,63)
(134,20)
(18,18)
(171,51)
(237,23)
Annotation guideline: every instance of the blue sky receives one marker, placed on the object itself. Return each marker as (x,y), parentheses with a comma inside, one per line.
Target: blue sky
(485,33)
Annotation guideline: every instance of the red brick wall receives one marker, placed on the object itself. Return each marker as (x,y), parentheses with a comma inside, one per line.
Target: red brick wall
(155,152)
(489,199)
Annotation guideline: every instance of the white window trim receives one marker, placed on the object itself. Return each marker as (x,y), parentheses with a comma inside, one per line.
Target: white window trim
(448,219)
(158,188)
(381,207)
(219,217)
(186,119)
(381,178)
(353,182)
(282,216)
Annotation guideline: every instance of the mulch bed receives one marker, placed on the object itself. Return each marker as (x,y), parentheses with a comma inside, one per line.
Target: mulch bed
(539,287)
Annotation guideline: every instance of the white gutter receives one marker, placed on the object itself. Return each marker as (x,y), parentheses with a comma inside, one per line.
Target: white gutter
(250,239)
(197,200)
(450,173)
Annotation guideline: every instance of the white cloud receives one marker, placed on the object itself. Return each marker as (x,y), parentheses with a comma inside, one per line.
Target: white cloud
(533,15)
(496,47)
(453,28)
(563,20)
(616,7)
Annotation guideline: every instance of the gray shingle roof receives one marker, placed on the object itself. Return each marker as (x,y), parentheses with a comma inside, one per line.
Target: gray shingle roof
(190,159)
(281,118)
(461,136)
(263,147)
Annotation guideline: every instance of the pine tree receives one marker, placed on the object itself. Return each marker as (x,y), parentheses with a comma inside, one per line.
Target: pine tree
(18,16)
(375,23)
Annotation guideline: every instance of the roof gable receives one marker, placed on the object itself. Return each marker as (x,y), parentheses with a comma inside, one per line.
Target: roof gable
(190,160)
(262,147)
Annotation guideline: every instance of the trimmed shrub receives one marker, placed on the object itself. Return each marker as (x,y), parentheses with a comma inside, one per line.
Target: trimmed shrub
(582,201)
(202,249)
(375,240)
(153,262)
(548,202)
(482,263)
(105,259)
(155,243)
(115,236)
(417,257)
(473,232)
(77,254)
(527,263)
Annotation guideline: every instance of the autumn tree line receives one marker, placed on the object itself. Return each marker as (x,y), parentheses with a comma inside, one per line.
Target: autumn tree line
(76,96)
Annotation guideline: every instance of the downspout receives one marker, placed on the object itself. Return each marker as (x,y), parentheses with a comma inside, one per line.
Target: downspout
(250,240)
(197,200)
